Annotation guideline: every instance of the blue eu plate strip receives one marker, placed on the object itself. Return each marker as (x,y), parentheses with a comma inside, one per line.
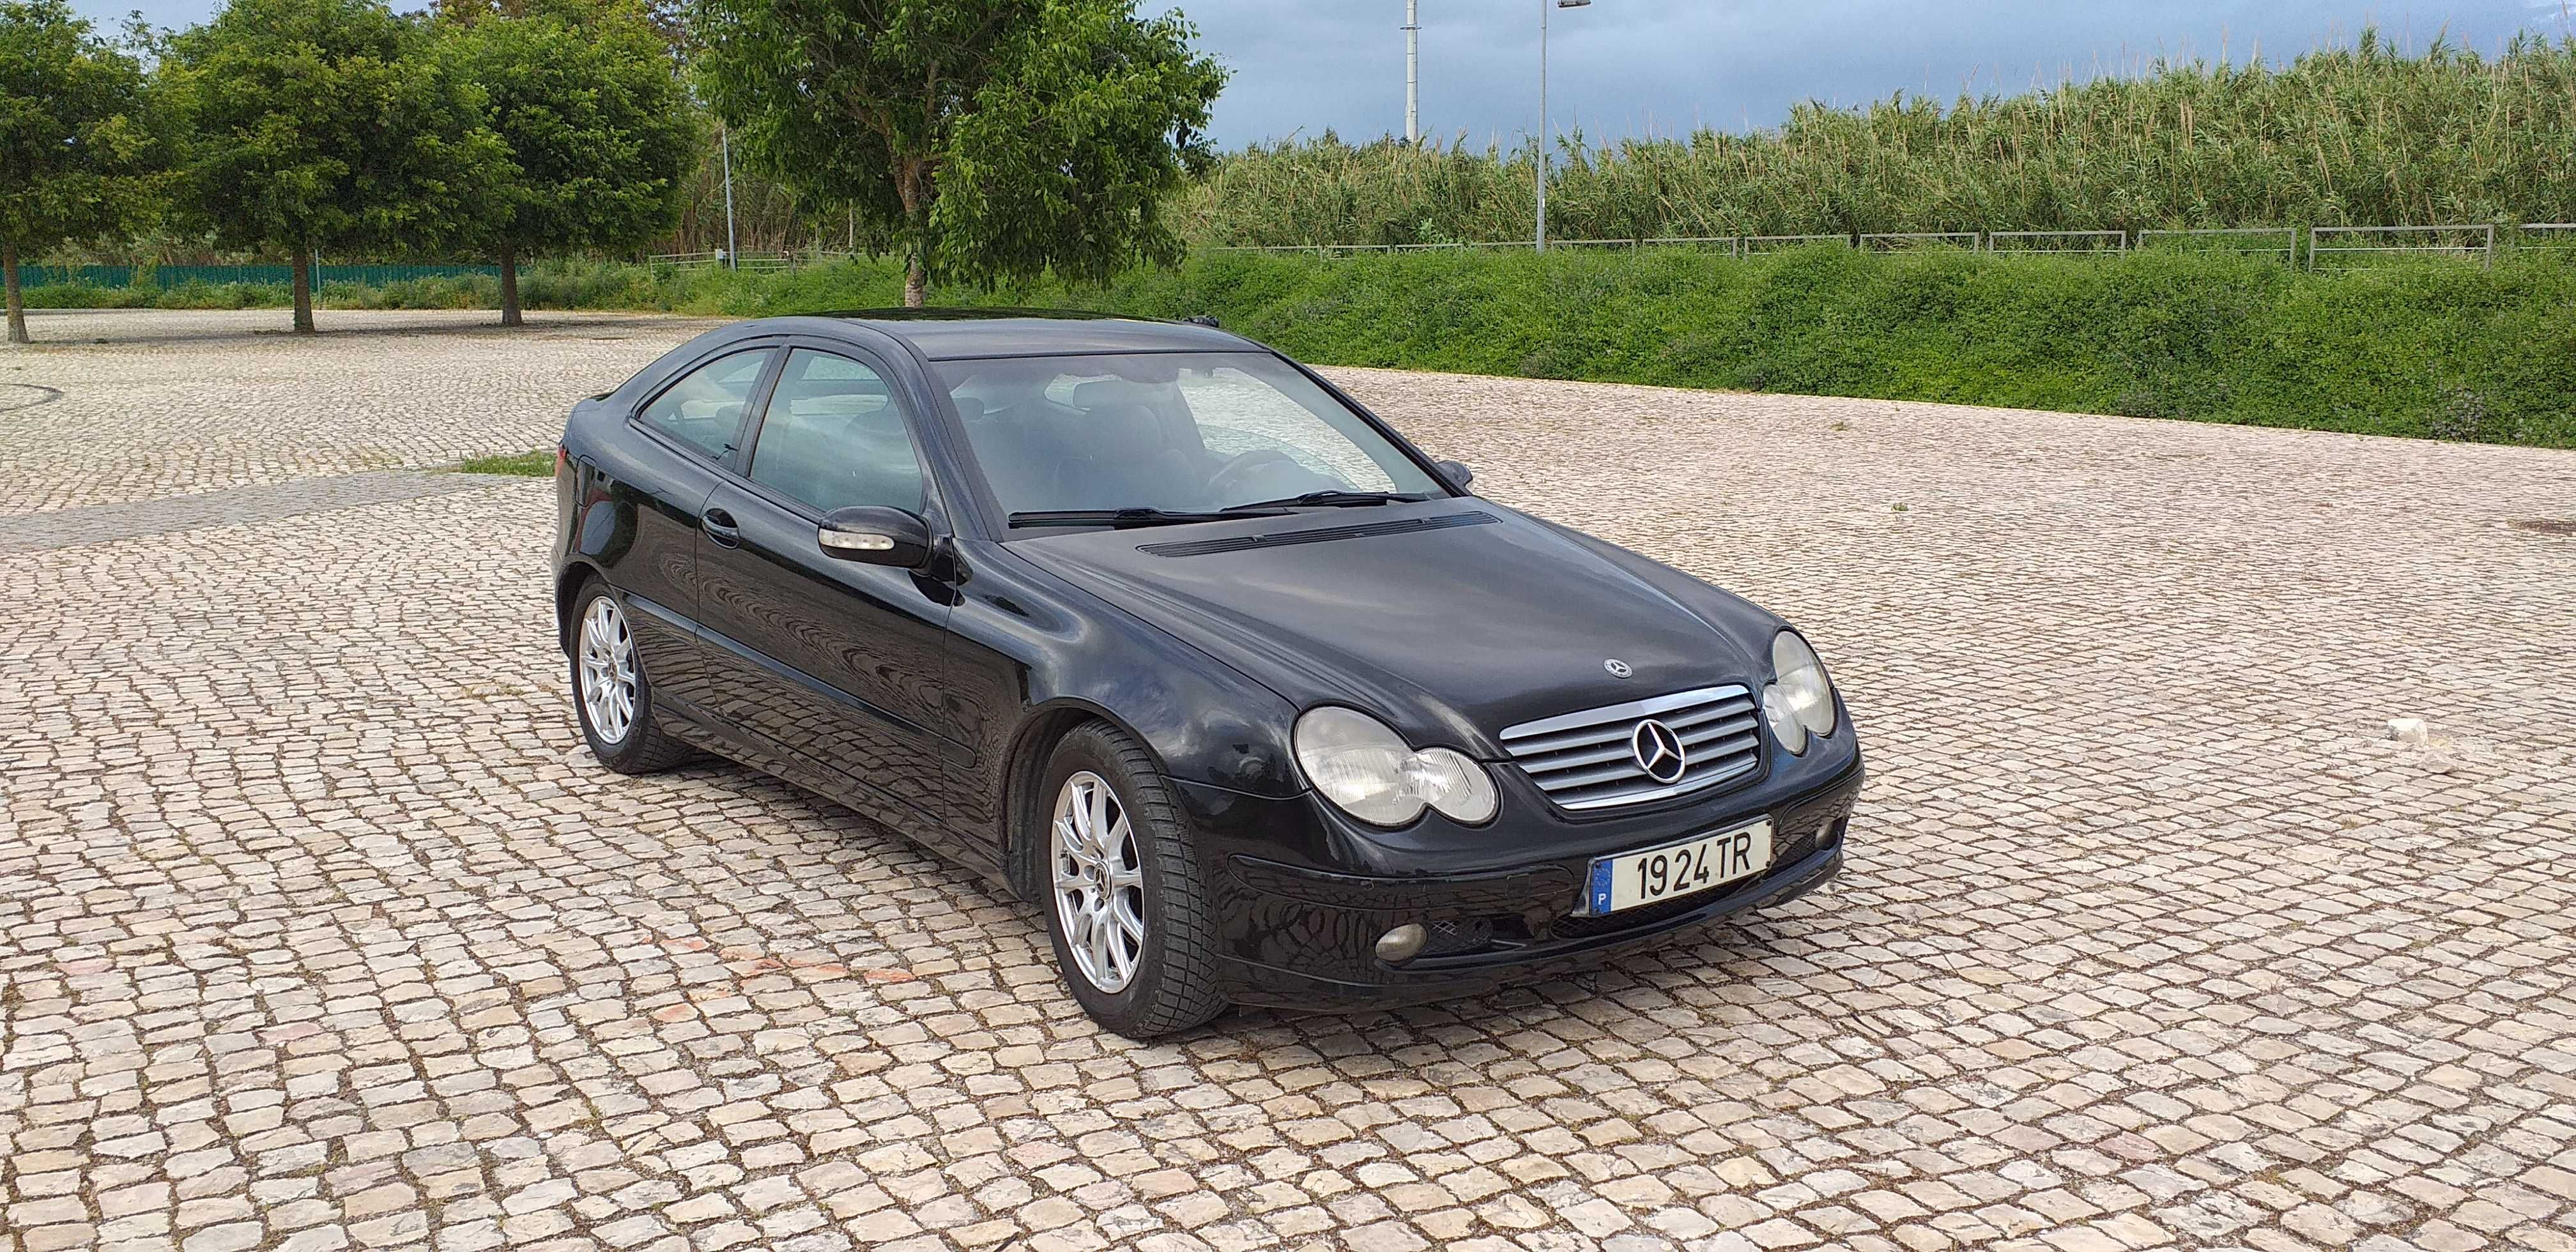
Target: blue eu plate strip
(1600,887)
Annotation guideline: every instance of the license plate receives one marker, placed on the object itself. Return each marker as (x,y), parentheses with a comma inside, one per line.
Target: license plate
(1680,869)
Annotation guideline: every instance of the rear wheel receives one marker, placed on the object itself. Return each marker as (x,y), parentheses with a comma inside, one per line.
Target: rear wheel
(611,694)
(1126,901)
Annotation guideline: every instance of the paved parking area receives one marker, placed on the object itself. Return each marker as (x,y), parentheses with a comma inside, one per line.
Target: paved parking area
(319,929)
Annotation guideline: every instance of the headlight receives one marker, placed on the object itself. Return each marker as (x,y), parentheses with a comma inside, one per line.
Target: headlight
(1369,771)
(1800,699)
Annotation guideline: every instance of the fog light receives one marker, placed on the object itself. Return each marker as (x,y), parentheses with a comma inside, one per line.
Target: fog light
(1399,945)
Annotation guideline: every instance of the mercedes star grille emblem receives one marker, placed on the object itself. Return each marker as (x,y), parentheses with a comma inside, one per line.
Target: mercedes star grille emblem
(1617,668)
(1658,751)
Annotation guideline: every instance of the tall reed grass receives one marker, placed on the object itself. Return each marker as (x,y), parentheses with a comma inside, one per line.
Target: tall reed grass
(2364,135)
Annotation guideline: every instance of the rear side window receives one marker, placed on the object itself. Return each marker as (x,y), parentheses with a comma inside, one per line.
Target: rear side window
(833,437)
(705,409)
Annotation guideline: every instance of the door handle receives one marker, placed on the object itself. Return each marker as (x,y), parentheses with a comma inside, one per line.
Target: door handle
(720,527)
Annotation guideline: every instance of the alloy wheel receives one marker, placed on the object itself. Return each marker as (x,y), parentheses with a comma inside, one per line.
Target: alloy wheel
(1099,881)
(607,671)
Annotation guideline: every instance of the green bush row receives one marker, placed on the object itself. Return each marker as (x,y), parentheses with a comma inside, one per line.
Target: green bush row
(2434,348)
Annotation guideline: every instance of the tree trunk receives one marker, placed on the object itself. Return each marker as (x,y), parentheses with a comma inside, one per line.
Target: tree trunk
(17,301)
(916,217)
(510,288)
(303,284)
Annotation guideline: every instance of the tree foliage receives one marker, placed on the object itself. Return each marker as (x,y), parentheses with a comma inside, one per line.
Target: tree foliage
(589,110)
(328,124)
(983,141)
(76,146)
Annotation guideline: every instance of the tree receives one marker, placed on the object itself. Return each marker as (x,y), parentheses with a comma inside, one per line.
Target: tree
(589,109)
(328,124)
(75,147)
(985,141)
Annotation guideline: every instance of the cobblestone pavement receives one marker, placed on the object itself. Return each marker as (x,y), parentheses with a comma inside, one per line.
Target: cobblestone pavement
(178,404)
(319,929)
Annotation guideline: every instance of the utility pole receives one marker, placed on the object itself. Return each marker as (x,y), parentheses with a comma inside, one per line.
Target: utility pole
(1412,73)
(1543,132)
(724,143)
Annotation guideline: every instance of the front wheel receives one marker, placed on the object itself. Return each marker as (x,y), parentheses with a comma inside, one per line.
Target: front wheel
(1126,903)
(611,694)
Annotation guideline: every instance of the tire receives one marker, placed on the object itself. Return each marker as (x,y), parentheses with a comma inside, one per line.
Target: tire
(610,685)
(1164,980)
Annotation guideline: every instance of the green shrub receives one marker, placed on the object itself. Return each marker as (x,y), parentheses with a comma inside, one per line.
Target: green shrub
(2435,348)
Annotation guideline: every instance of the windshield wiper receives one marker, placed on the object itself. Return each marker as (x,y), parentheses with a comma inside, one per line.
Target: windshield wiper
(1336,499)
(1130,517)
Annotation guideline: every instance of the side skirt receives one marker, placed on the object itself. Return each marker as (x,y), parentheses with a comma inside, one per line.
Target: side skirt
(692,725)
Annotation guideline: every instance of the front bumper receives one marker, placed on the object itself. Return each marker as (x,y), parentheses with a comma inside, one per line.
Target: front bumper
(1300,937)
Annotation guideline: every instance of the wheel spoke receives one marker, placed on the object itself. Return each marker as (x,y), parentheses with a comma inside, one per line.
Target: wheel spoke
(1126,935)
(1103,938)
(1127,911)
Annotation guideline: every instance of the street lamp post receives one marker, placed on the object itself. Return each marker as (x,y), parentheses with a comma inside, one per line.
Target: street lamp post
(724,143)
(1412,73)
(1543,132)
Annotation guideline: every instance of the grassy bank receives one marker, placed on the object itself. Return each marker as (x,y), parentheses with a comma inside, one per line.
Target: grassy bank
(2433,348)
(2438,349)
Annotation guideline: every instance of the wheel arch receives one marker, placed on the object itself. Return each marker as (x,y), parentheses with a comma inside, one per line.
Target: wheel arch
(1024,776)
(568,584)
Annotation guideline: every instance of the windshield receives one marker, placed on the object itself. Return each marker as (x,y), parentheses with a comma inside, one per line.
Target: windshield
(1171,432)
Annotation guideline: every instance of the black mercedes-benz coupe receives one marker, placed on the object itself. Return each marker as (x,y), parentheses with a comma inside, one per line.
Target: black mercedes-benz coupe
(1160,630)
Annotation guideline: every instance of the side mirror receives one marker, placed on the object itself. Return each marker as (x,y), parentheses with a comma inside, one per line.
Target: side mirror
(874,534)
(1456,472)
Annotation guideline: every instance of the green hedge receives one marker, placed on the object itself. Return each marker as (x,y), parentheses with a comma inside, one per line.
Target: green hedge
(2427,348)
(2435,348)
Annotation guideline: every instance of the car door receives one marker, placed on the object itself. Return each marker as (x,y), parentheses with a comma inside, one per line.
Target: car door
(839,663)
(658,485)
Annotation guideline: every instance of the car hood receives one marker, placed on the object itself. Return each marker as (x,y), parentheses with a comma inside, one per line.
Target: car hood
(1453,619)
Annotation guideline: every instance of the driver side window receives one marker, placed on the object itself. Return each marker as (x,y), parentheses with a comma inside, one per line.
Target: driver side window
(833,437)
(1238,415)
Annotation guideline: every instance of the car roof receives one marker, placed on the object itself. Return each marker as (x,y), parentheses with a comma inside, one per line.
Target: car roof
(958,334)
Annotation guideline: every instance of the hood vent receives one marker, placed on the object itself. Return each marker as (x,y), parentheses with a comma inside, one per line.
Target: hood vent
(1327,534)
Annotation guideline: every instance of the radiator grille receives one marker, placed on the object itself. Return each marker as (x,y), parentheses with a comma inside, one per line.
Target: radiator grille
(1588,760)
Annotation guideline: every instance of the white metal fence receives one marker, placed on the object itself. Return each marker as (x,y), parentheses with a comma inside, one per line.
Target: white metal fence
(2319,247)
(757,262)
(2058,242)
(2334,245)
(2260,240)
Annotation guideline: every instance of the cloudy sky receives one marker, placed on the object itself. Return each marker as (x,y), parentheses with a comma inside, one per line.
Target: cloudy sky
(1623,67)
